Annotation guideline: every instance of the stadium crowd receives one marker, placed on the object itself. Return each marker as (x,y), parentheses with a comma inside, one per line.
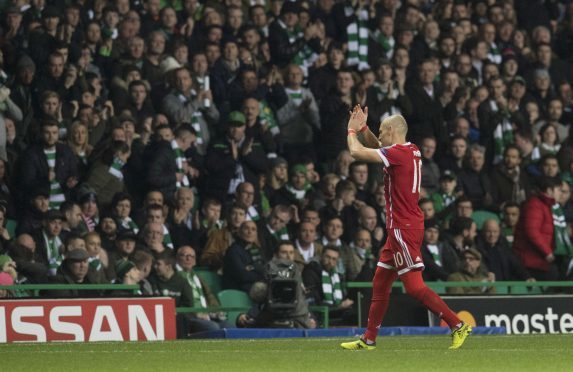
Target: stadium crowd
(141,139)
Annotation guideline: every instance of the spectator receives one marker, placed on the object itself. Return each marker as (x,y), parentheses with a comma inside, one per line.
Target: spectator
(324,284)
(274,230)
(498,256)
(202,295)
(220,240)
(534,241)
(306,246)
(299,118)
(439,258)
(430,169)
(471,271)
(508,179)
(510,213)
(233,159)
(74,271)
(243,262)
(51,165)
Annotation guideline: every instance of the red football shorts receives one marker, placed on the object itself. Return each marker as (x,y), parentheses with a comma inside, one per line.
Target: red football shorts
(402,251)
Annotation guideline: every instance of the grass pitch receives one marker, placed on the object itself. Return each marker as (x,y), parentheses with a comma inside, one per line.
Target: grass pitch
(400,353)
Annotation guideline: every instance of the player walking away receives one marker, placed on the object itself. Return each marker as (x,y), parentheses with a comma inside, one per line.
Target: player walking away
(401,254)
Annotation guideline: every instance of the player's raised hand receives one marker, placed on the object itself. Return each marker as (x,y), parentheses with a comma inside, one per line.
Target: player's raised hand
(355,121)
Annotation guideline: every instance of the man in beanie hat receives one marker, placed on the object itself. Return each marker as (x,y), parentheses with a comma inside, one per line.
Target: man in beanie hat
(49,242)
(295,191)
(470,271)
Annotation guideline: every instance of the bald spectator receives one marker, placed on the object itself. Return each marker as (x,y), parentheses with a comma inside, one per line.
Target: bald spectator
(497,254)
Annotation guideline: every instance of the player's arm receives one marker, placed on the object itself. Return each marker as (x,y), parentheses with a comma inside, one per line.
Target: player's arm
(357,149)
(360,152)
(370,139)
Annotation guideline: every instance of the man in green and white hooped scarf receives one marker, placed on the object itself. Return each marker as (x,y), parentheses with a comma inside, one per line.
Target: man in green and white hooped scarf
(357,32)
(298,184)
(184,138)
(50,148)
(331,285)
(186,255)
(52,228)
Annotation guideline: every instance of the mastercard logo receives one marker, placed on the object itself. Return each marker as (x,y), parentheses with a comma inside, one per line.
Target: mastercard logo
(465,316)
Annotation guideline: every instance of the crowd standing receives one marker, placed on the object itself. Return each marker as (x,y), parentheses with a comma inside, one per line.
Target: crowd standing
(140,139)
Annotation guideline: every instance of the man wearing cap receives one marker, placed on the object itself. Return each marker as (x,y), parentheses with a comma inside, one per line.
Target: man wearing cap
(471,271)
(184,104)
(445,197)
(125,244)
(286,40)
(49,241)
(234,159)
(74,270)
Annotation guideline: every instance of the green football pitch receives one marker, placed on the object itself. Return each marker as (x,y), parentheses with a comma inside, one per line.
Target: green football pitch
(400,353)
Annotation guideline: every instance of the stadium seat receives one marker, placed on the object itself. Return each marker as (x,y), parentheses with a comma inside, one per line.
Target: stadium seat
(234,298)
(212,279)
(11,227)
(480,217)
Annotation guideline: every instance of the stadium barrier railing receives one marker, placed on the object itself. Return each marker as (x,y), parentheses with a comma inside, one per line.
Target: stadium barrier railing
(507,288)
(33,290)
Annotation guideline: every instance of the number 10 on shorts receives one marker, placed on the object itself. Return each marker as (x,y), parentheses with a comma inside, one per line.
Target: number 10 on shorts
(398,259)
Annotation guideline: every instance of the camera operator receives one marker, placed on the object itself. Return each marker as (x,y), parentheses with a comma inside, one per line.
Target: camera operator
(279,302)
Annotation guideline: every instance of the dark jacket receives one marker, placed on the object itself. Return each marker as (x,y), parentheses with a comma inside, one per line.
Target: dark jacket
(449,262)
(426,119)
(64,277)
(239,269)
(501,260)
(34,171)
(104,183)
(312,278)
(220,166)
(175,287)
(161,168)
(282,50)
(334,119)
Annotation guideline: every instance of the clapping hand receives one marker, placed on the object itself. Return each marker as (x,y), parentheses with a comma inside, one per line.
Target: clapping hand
(357,118)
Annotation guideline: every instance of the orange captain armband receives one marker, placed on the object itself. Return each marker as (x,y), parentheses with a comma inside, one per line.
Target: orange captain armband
(351,131)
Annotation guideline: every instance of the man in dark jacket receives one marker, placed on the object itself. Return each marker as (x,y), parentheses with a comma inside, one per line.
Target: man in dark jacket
(534,234)
(509,180)
(234,159)
(243,262)
(426,119)
(50,164)
(497,254)
(167,167)
(286,39)
(439,257)
(74,270)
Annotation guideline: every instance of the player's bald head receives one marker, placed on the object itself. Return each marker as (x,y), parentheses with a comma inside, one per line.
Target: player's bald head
(396,122)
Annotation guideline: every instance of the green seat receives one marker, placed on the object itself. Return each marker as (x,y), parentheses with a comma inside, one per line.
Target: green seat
(480,217)
(212,279)
(234,298)
(11,227)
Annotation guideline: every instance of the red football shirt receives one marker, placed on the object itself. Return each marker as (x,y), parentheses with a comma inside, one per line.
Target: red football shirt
(402,180)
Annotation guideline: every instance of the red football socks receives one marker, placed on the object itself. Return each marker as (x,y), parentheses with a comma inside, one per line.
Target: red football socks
(381,287)
(415,287)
